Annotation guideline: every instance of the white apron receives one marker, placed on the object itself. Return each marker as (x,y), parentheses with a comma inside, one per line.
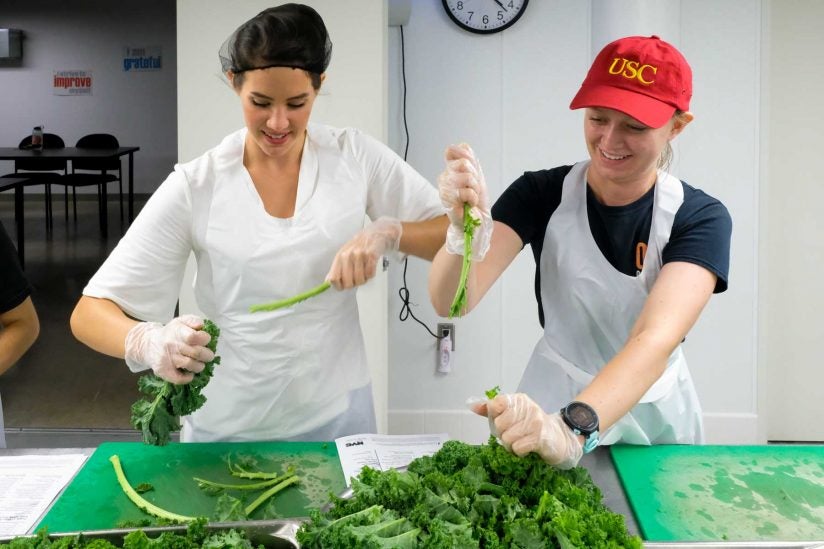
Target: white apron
(288,372)
(589,310)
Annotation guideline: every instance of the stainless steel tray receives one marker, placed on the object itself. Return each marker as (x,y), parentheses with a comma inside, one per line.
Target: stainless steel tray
(276,534)
(735,545)
(280,534)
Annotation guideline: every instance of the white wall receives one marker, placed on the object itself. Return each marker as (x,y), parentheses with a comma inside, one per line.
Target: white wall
(508,95)
(137,107)
(792,295)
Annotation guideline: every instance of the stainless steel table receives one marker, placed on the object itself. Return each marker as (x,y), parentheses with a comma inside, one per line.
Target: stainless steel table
(45,452)
(598,463)
(600,467)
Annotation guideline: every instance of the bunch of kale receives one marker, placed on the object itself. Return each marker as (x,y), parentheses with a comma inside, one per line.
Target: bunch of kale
(159,416)
(467,496)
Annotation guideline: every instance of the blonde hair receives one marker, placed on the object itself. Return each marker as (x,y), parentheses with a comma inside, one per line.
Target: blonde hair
(665,159)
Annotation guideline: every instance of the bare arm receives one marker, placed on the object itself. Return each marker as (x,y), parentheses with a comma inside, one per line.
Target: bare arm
(671,309)
(19,328)
(423,238)
(446,270)
(102,325)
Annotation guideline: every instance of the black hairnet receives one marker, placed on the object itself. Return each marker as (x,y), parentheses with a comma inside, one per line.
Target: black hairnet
(290,35)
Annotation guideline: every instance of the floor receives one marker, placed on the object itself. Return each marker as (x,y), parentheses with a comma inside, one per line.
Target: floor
(61,393)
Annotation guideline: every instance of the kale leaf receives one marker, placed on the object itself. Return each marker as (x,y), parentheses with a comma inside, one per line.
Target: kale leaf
(160,415)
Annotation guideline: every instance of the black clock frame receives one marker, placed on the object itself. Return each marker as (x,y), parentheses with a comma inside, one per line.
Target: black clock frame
(462,25)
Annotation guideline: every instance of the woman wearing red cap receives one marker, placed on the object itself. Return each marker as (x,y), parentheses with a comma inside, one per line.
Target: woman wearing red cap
(627,257)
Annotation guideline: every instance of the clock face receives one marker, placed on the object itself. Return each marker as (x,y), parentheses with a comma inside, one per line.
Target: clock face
(484,16)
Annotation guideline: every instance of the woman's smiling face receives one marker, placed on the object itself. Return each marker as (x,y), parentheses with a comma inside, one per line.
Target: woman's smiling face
(277,103)
(622,149)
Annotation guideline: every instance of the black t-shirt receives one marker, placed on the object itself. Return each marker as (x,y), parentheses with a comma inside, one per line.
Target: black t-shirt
(14,287)
(700,231)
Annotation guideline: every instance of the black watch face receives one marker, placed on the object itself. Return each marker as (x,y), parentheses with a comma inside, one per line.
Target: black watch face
(582,416)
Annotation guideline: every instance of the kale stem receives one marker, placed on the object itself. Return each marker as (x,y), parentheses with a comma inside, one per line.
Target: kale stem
(291,300)
(253,486)
(240,472)
(146,506)
(459,301)
(270,492)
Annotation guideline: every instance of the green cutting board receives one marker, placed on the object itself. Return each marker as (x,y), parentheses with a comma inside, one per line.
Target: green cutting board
(94,500)
(716,493)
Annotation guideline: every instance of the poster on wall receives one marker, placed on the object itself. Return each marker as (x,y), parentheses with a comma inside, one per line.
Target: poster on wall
(72,83)
(144,58)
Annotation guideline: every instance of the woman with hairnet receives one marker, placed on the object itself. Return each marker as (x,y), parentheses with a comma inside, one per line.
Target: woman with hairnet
(274,209)
(627,256)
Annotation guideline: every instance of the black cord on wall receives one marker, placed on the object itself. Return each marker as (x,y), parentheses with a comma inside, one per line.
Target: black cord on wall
(403,292)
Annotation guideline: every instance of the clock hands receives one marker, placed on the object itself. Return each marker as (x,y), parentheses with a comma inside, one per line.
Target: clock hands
(502,6)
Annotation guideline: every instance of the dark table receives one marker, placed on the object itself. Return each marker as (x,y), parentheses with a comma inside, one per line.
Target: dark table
(19,184)
(66,153)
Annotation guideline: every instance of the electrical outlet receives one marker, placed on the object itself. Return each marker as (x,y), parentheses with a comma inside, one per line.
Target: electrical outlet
(445,328)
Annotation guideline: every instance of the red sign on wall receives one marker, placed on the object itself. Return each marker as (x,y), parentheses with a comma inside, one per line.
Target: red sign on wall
(72,83)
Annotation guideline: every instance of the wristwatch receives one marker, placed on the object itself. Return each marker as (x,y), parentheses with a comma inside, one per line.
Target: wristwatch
(582,419)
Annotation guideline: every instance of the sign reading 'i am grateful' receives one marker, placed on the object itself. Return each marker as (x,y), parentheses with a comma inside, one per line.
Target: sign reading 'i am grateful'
(144,58)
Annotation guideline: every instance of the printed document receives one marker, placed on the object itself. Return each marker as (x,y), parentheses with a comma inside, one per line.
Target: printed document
(28,484)
(384,452)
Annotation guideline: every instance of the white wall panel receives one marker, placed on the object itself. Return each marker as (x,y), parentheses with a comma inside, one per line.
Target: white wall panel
(792,288)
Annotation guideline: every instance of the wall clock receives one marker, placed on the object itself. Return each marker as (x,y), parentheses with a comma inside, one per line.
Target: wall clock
(484,16)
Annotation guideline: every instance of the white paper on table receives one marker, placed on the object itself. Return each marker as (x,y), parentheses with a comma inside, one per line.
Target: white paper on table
(384,452)
(28,484)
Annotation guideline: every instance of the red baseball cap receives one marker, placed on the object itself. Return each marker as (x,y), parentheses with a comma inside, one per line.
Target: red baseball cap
(641,76)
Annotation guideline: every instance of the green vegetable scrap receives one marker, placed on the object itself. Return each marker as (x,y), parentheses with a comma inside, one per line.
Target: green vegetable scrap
(143,487)
(459,301)
(231,508)
(136,498)
(269,493)
(467,496)
(160,415)
(240,472)
(217,487)
(493,392)
(274,305)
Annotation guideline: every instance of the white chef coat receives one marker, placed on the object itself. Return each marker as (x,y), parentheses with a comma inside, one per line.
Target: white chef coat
(589,310)
(287,372)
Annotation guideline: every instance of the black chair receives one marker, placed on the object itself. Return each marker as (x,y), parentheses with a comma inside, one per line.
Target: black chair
(95,171)
(41,171)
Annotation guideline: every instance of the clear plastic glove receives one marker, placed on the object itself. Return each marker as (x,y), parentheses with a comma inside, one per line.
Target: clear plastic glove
(523,427)
(463,182)
(356,262)
(175,351)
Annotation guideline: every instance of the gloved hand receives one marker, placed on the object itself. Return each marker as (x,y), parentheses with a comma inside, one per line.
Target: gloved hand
(463,181)
(523,427)
(175,351)
(356,261)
